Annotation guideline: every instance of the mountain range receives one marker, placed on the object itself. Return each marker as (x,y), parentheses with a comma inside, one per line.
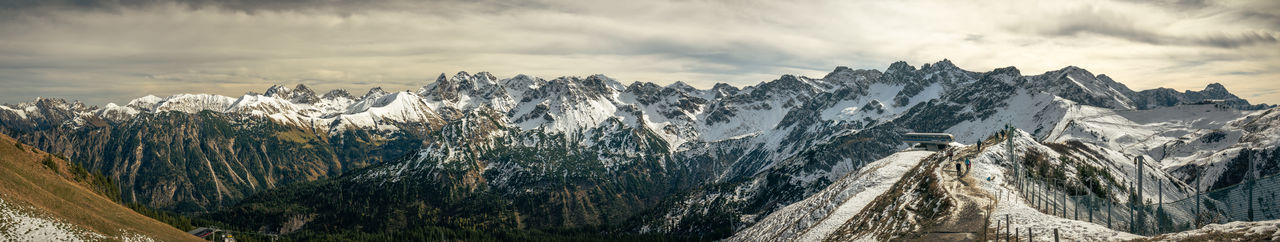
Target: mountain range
(537,157)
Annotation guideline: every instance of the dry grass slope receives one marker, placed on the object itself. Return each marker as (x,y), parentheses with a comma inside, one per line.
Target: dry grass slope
(27,181)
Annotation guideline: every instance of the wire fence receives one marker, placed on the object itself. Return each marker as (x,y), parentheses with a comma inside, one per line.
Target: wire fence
(1250,200)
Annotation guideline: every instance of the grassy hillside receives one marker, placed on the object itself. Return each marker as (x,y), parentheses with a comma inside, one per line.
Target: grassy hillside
(37,186)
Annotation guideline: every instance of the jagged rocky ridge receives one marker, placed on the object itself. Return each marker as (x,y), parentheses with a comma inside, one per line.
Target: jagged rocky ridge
(671,159)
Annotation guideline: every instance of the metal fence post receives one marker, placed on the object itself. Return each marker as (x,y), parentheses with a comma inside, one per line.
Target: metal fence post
(1254,177)
(1250,202)
(1064,198)
(1089,208)
(1060,209)
(1160,210)
(1055,234)
(1196,218)
(1132,191)
(1008,226)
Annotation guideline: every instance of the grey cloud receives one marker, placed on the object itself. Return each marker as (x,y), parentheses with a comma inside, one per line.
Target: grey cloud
(973,37)
(1269,17)
(1244,39)
(1092,20)
(239,5)
(337,7)
(1174,4)
(1099,21)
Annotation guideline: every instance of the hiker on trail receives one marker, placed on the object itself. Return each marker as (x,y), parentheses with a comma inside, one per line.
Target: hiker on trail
(958,170)
(967,166)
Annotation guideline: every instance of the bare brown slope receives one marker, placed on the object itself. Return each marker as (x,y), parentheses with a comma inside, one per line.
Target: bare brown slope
(25,180)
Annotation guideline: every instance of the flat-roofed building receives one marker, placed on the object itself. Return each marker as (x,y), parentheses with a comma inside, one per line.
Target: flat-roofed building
(930,141)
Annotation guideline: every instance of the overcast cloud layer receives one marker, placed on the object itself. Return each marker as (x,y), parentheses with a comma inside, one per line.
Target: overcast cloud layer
(119,50)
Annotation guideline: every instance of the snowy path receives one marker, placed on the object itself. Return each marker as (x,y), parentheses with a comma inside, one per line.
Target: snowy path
(967,219)
(872,183)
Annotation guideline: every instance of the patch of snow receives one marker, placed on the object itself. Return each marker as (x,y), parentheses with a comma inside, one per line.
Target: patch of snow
(19,112)
(17,222)
(148,102)
(745,121)
(848,109)
(1269,230)
(1028,111)
(194,103)
(384,111)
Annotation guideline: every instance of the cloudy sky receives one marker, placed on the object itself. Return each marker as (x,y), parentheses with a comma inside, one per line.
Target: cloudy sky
(115,51)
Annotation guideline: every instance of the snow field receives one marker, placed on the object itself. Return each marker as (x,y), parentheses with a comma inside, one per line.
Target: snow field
(819,215)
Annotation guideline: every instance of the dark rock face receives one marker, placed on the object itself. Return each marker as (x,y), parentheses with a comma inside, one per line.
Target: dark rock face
(201,162)
(337,93)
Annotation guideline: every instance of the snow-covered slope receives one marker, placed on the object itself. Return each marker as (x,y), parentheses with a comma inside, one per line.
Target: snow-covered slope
(1016,210)
(816,217)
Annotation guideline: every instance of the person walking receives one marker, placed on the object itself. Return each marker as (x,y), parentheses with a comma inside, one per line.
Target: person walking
(958,174)
(967,166)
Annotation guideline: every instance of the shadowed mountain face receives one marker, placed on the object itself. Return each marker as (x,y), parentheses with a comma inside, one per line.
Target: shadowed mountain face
(568,153)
